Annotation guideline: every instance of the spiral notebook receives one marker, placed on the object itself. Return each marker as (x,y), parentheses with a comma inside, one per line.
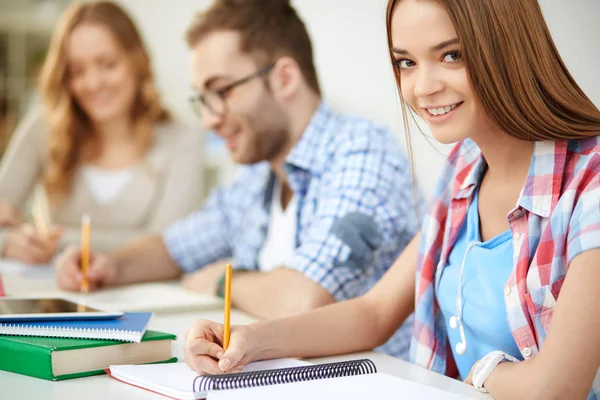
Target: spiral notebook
(277,379)
(128,328)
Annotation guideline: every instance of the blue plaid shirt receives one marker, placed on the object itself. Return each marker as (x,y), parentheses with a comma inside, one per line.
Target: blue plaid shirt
(356,211)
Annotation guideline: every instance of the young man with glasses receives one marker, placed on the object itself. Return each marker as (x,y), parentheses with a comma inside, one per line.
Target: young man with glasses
(321,209)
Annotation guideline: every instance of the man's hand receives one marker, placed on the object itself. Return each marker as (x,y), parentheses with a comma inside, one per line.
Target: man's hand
(103,272)
(205,280)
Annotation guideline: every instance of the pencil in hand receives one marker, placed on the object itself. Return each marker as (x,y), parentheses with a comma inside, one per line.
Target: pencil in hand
(85,253)
(227,316)
(41,225)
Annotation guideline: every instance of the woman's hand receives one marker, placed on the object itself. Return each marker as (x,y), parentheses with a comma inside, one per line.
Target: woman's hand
(27,245)
(204,352)
(9,214)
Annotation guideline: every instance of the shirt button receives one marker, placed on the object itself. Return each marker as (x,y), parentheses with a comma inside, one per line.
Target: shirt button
(518,213)
(526,352)
(507,290)
(517,236)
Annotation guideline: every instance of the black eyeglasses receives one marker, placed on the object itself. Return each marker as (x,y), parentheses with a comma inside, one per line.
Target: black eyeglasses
(214,100)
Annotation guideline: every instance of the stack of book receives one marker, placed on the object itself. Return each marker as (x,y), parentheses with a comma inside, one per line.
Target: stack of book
(60,350)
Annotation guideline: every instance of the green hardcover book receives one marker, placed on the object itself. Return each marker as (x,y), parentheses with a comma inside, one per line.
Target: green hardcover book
(65,358)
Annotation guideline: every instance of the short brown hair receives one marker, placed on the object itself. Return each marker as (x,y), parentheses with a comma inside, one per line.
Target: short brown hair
(268,28)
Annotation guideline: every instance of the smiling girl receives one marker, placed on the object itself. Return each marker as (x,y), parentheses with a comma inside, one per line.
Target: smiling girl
(507,263)
(104,145)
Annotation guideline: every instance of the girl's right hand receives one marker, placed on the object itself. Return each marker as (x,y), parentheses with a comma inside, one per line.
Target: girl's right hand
(204,352)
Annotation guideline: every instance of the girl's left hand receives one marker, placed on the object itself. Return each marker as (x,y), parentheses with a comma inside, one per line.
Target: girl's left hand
(469,379)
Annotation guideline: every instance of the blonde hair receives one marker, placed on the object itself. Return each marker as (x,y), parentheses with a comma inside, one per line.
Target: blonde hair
(69,127)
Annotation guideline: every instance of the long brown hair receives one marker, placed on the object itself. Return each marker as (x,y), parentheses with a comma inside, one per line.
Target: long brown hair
(69,126)
(515,70)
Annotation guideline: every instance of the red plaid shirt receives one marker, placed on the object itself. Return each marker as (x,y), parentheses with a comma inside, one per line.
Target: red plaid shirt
(557,217)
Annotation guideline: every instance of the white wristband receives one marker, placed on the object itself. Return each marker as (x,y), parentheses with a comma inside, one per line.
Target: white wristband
(487,365)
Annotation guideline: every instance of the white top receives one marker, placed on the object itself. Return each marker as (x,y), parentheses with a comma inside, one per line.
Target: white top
(280,243)
(105,185)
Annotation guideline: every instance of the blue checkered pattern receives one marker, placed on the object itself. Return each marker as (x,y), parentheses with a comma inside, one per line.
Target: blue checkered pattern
(343,169)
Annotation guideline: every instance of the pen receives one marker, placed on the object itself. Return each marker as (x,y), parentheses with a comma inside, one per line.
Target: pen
(85,252)
(227,317)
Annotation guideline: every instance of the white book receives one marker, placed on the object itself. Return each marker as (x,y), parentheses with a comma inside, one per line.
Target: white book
(278,379)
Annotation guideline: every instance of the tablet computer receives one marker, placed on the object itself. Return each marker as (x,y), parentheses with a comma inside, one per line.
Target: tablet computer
(50,309)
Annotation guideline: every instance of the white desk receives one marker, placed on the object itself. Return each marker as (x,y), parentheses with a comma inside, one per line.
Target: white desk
(14,386)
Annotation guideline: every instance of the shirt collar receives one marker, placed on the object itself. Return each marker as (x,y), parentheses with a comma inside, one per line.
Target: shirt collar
(544,180)
(474,167)
(308,151)
(543,186)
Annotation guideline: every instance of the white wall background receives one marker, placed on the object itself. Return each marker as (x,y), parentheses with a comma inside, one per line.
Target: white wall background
(350,50)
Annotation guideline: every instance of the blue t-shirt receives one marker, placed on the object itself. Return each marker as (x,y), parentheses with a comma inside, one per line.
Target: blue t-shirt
(487,268)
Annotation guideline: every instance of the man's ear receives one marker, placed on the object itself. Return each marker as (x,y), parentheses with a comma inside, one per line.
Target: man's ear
(286,78)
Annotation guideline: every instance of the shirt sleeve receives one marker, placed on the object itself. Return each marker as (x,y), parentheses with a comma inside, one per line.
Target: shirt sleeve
(366,210)
(584,226)
(201,237)
(22,161)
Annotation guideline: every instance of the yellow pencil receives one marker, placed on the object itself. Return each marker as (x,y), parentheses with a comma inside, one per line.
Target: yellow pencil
(227,317)
(85,252)
(40,222)
(41,225)
(45,209)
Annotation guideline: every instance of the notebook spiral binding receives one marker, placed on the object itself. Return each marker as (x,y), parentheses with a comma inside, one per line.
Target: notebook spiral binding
(284,375)
(68,332)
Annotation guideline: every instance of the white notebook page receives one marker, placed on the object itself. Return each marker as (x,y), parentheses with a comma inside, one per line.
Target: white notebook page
(156,297)
(16,268)
(176,380)
(360,387)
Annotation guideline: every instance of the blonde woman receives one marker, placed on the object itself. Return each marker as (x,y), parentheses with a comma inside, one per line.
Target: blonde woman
(103,145)
(508,261)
